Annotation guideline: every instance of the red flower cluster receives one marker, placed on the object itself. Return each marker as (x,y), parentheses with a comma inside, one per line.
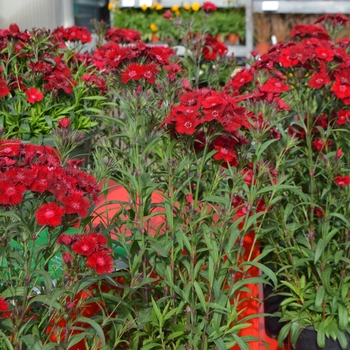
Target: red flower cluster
(92,246)
(45,64)
(216,111)
(36,169)
(213,48)
(122,35)
(135,62)
(74,33)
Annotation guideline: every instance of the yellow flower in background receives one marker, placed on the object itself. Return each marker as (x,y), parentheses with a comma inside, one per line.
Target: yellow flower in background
(196,6)
(187,7)
(144,7)
(159,7)
(177,13)
(154,5)
(175,8)
(110,6)
(153,27)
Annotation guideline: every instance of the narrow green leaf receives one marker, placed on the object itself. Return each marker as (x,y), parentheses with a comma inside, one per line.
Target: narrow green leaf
(320,247)
(95,326)
(157,311)
(321,336)
(319,296)
(200,295)
(343,316)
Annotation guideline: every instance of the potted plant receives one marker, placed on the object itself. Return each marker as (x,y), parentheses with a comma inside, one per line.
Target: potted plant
(302,92)
(51,270)
(43,81)
(262,32)
(228,21)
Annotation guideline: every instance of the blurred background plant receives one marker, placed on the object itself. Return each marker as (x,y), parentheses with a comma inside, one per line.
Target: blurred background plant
(223,21)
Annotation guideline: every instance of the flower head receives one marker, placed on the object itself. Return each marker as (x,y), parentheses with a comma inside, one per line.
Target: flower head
(34,95)
(4,306)
(209,7)
(50,214)
(101,262)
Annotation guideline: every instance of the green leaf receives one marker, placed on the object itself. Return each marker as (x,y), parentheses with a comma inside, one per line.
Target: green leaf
(343,316)
(262,147)
(320,247)
(319,296)
(200,295)
(13,291)
(157,311)
(95,326)
(32,342)
(321,336)
(175,335)
(6,341)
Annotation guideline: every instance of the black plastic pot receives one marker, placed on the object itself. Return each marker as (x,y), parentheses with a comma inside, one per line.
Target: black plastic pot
(308,341)
(271,305)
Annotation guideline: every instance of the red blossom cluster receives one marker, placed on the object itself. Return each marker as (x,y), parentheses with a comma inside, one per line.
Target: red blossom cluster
(122,35)
(45,65)
(215,111)
(27,168)
(313,63)
(92,246)
(73,33)
(136,62)
(213,48)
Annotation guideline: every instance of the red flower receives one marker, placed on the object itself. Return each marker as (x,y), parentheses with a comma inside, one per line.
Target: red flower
(342,91)
(149,71)
(337,19)
(40,184)
(234,119)
(343,117)
(309,31)
(248,177)
(209,7)
(286,58)
(274,85)
(65,239)
(319,145)
(99,239)
(4,306)
(133,72)
(338,153)
(324,53)
(319,212)
(167,15)
(187,123)
(226,155)
(213,48)
(120,35)
(10,148)
(101,262)
(342,180)
(85,246)
(34,95)
(67,258)
(75,203)
(10,193)
(49,214)
(243,77)
(63,123)
(4,90)
(319,79)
